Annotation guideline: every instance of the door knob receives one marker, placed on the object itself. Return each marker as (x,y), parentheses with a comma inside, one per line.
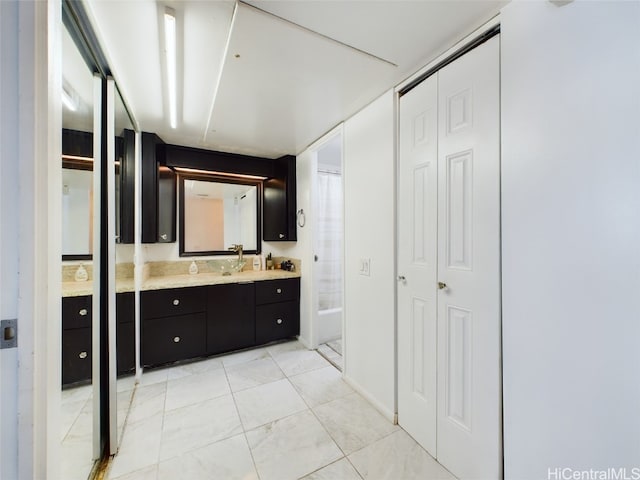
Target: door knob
(442,285)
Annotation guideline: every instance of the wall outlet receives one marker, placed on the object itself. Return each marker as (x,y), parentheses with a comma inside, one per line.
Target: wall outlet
(365,266)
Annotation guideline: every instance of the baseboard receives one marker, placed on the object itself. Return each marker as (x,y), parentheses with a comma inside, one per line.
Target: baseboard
(386,413)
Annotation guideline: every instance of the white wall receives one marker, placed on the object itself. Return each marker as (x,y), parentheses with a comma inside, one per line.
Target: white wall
(571,236)
(369,301)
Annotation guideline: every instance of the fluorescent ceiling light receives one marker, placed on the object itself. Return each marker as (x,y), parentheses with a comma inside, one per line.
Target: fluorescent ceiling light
(68,101)
(170,54)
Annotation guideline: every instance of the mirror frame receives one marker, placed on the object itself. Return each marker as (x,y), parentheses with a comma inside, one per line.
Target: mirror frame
(220,179)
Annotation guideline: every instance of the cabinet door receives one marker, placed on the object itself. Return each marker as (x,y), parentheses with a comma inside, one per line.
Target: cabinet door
(76,355)
(230,317)
(273,291)
(76,312)
(279,202)
(276,321)
(172,302)
(170,339)
(158,194)
(126,347)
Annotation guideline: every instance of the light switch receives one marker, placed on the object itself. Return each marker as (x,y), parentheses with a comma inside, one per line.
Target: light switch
(365,266)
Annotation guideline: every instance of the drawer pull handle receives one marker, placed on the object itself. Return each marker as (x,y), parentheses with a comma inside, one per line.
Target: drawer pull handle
(176,302)
(281,235)
(83,355)
(278,290)
(176,339)
(83,312)
(279,321)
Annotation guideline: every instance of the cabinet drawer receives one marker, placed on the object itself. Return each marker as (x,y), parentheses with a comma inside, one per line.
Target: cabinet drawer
(76,355)
(172,301)
(76,312)
(276,321)
(125,347)
(173,338)
(125,307)
(272,291)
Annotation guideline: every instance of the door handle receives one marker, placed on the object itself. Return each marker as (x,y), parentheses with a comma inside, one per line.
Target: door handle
(442,285)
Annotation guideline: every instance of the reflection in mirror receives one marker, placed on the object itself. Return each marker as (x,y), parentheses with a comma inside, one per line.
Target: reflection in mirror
(125,301)
(77,214)
(216,213)
(76,415)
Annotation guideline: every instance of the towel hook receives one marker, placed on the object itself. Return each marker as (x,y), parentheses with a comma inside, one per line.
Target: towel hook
(302,219)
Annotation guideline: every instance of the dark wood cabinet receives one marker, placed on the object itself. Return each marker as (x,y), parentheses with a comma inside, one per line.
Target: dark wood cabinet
(279,202)
(76,355)
(183,323)
(158,194)
(125,332)
(277,309)
(230,317)
(77,341)
(126,184)
(169,339)
(174,325)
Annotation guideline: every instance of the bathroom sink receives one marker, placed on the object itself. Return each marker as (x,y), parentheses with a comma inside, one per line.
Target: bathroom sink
(226,266)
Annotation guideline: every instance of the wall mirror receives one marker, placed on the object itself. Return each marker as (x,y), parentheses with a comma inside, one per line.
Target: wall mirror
(218,212)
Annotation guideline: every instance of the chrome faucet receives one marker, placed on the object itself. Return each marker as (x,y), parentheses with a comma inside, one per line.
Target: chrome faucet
(238,249)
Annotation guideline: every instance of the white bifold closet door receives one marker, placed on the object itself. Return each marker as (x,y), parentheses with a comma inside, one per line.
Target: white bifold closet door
(449,353)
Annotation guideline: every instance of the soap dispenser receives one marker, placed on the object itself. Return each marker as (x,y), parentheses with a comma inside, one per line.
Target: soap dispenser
(81,274)
(193,268)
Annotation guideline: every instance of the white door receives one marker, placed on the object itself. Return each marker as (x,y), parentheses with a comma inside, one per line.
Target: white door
(417,262)
(449,313)
(469,368)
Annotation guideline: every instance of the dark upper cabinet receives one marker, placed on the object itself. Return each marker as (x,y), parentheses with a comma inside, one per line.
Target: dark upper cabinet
(158,194)
(279,202)
(126,184)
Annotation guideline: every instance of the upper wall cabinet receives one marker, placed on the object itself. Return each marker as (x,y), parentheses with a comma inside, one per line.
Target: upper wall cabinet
(158,194)
(279,204)
(279,186)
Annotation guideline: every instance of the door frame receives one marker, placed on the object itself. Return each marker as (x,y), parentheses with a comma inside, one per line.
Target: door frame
(310,223)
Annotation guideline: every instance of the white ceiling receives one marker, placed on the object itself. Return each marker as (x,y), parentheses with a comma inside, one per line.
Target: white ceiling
(294,69)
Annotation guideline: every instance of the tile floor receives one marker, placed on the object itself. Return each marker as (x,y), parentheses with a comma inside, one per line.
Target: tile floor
(275,413)
(332,351)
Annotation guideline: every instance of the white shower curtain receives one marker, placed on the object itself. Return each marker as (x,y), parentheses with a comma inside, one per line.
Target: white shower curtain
(329,241)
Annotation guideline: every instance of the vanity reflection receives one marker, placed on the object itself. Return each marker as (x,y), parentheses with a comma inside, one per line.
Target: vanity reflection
(217,213)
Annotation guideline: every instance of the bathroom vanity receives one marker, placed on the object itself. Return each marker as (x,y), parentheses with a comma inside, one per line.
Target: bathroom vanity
(184,317)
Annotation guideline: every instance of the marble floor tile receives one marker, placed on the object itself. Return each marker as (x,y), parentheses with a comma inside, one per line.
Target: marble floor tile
(228,459)
(76,457)
(147,473)
(192,368)
(320,386)
(157,375)
(397,456)
(251,374)
(69,412)
(196,388)
(336,345)
(291,447)
(268,402)
(295,362)
(126,383)
(353,422)
(340,470)
(147,401)
(243,357)
(76,394)
(140,446)
(282,347)
(195,426)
